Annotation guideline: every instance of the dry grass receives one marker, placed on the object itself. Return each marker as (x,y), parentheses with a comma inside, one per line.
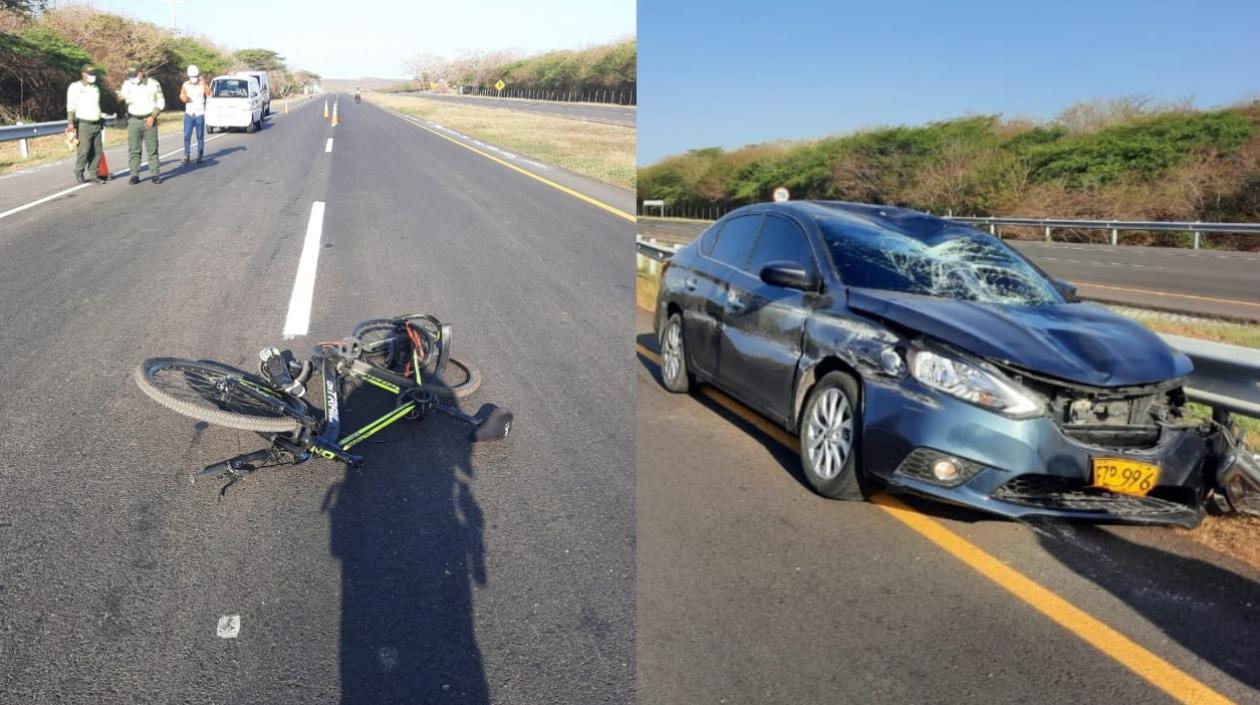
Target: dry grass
(53,147)
(1233,536)
(646,285)
(603,152)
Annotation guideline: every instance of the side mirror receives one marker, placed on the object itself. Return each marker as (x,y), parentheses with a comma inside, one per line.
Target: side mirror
(789,275)
(1067,288)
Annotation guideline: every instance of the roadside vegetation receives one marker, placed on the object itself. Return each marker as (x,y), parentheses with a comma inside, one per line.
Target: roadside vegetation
(1128,158)
(600,151)
(598,70)
(42,49)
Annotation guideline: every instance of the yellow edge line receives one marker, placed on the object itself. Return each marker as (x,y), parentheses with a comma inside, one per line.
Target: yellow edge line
(1155,670)
(1176,296)
(580,196)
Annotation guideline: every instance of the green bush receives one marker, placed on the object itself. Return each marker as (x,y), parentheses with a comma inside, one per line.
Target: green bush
(981,165)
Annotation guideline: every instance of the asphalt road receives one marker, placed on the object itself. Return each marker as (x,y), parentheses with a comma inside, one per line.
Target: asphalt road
(752,589)
(624,115)
(1202,282)
(439,572)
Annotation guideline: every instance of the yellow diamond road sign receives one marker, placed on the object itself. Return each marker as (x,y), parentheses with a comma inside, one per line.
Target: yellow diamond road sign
(500,85)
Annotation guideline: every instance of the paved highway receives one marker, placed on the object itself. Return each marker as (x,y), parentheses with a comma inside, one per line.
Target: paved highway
(624,115)
(439,572)
(1202,282)
(752,589)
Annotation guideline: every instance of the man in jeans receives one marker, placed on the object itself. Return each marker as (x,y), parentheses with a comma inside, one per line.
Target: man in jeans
(83,119)
(193,95)
(145,102)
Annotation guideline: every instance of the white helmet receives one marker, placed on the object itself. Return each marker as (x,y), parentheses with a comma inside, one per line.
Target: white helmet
(192,71)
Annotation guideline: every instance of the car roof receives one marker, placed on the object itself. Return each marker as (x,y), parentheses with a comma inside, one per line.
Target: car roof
(916,224)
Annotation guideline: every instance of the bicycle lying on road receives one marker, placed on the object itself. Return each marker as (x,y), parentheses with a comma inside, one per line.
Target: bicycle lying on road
(407,356)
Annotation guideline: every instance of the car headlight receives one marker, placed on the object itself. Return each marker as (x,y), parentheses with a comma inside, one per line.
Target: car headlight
(972,384)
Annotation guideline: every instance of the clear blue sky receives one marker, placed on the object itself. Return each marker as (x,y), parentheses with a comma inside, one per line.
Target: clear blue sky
(739,72)
(372,38)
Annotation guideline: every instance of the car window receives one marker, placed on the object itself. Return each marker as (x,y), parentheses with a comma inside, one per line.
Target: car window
(735,240)
(781,240)
(230,89)
(933,257)
(709,238)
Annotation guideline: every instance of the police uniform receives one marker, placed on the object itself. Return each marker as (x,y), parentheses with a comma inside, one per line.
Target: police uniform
(144,100)
(83,114)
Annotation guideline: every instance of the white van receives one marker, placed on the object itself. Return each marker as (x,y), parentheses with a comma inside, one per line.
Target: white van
(264,87)
(234,101)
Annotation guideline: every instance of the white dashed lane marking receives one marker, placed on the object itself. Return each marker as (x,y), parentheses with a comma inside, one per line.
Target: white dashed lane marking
(229,626)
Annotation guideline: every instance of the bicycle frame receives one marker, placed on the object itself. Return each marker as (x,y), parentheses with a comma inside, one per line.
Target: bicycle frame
(321,434)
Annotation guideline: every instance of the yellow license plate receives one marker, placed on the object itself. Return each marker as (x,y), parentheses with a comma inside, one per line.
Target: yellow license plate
(1125,476)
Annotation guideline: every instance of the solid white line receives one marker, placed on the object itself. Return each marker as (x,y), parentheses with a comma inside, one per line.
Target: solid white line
(299,318)
(328,146)
(45,199)
(72,189)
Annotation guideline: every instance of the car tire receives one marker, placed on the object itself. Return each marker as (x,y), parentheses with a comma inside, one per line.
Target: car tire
(251,127)
(674,374)
(832,416)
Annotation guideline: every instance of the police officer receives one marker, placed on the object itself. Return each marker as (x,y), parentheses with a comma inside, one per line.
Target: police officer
(83,118)
(145,102)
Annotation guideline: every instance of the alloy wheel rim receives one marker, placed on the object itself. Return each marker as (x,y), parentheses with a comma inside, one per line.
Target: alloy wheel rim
(672,352)
(829,434)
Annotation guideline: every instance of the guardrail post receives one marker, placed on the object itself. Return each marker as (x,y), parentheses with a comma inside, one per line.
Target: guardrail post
(22,145)
(992,229)
(1197,237)
(1115,236)
(1047,233)
(653,266)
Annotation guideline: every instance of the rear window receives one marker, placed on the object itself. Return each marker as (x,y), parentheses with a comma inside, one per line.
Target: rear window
(932,257)
(735,239)
(230,88)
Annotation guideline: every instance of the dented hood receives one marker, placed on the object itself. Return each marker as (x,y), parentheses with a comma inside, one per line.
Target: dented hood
(1077,342)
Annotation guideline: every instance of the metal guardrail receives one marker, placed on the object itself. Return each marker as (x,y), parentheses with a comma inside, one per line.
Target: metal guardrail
(8,133)
(1115,226)
(1048,225)
(1225,377)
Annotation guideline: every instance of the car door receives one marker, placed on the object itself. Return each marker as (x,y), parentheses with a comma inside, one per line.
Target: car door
(763,325)
(705,286)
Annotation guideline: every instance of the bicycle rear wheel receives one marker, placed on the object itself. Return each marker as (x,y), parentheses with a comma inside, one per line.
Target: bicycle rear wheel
(210,391)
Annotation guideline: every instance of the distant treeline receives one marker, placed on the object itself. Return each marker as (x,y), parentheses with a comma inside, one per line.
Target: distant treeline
(1120,159)
(41,52)
(606,68)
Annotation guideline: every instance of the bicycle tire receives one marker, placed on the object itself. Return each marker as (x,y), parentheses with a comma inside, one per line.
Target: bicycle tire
(471,383)
(198,404)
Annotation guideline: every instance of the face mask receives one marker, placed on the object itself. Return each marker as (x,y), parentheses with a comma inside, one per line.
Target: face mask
(91,79)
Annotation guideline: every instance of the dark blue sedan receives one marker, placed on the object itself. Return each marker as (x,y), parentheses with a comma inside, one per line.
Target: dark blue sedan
(917,353)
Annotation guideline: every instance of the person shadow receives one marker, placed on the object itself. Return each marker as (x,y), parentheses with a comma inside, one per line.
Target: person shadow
(174,169)
(408,532)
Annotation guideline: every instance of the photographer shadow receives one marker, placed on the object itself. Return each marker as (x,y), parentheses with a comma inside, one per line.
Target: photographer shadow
(408,532)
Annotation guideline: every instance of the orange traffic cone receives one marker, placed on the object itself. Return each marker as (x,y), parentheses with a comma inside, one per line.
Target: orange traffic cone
(102,171)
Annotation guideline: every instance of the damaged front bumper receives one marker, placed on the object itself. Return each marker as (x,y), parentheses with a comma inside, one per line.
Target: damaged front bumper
(1022,468)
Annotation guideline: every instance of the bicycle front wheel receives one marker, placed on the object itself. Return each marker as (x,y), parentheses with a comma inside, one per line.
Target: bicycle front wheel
(212,392)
